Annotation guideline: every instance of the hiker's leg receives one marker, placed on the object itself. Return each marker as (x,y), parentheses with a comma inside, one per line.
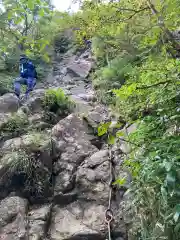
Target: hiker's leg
(17,85)
(31,82)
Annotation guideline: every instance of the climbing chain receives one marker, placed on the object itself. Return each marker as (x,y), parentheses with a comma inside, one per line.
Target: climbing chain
(109,213)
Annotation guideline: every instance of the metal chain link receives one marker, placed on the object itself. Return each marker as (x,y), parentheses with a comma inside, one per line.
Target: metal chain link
(109,213)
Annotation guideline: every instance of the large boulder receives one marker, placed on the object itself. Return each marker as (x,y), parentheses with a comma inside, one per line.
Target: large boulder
(72,146)
(92,177)
(96,116)
(31,142)
(9,103)
(71,129)
(34,102)
(13,218)
(80,68)
(79,220)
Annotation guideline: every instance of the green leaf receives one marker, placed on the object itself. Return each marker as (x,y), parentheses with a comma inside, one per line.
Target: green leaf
(120,134)
(111,139)
(115,124)
(10,15)
(30,4)
(103,128)
(28,52)
(120,181)
(41,12)
(19,20)
(46,57)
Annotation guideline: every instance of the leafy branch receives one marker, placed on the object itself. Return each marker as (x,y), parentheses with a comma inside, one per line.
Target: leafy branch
(154,85)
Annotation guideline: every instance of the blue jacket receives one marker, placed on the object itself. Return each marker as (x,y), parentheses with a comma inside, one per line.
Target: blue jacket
(28,70)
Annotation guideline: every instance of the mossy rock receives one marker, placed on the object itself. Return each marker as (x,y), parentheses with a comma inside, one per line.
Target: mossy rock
(26,166)
(14,125)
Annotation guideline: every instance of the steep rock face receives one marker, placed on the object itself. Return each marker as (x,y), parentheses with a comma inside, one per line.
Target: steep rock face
(92,177)
(67,187)
(73,146)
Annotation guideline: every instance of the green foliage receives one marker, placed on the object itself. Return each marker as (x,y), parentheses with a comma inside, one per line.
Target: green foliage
(61,43)
(112,77)
(26,167)
(155,167)
(56,101)
(26,28)
(157,78)
(15,125)
(5,83)
(148,93)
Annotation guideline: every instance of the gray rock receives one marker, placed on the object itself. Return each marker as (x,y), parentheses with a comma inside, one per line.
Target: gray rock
(71,143)
(38,222)
(67,79)
(88,97)
(32,142)
(64,182)
(9,103)
(13,218)
(80,68)
(34,102)
(35,118)
(70,129)
(96,116)
(81,106)
(97,159)
(92,177)
(63,70)
(80,217)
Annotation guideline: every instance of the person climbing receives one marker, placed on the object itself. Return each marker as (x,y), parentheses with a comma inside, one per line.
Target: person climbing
(87,42)
(28,76)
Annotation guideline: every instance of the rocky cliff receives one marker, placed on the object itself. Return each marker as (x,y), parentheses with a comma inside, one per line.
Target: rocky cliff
(54,172)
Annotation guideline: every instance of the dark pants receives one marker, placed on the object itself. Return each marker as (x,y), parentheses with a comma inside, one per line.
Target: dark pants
(29,82)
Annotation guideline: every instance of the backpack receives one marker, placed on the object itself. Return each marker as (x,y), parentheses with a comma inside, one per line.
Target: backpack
(28,70)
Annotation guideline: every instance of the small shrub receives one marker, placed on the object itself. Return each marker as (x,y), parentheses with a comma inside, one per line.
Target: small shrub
(56,101)
(155,188)
(6,83)
(15,125)
(24,170)
(112,76)
(61,43)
